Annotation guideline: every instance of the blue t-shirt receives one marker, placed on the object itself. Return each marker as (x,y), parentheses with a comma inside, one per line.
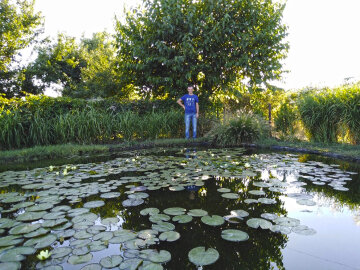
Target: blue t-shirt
(190,103)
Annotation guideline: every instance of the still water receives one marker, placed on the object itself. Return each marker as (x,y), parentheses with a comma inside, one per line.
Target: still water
(150,209)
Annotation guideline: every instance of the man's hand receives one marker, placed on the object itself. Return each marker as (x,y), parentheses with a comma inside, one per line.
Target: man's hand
(197,115)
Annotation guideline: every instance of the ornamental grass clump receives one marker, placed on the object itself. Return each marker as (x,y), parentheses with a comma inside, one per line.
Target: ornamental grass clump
(242,128)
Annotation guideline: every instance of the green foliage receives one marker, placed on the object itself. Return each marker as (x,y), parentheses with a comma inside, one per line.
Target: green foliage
(286,117)
(84,69)
(41,120)
(172,43)
(326,113)
(19,26)
(242,128)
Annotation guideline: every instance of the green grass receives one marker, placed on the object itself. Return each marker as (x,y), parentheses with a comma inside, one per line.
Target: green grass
(69,150)
(346,150)
(54,152)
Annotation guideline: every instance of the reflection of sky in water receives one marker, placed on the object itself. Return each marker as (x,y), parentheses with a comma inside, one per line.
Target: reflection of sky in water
(335,246)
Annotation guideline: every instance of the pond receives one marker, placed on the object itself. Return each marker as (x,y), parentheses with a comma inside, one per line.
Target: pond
(183,209)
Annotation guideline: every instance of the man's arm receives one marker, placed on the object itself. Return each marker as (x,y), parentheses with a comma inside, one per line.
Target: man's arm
(197,109)
(179,101)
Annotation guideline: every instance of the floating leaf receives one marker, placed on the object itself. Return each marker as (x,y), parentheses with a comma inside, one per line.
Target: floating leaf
(287,221)
(197,213)
(223,190)
(182,219)
(213,220)
(269,216)
(281,229)
(258,222)
(161,256)
(169,236)
(132,202)
(41,242)
(93,266)
(163,226)
(30,216)
(111,262)
(131,264)
(232,196)
(149,211)
(199,256)
(94,204)
(257,192)
(239,213)
(306,202)
(10,240)
(24,228)
(234,235)
(10,266)
(60,252)
(303,230)
(109,221)
(175,211)
(74,259)
(267,201)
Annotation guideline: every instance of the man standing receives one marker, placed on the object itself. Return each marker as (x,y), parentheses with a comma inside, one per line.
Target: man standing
(190,103)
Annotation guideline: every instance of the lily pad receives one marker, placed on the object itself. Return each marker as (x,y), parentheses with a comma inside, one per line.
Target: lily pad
(234,235)
(269,216)
(30,216)
(74,259)
(111,261)
(239,213)
(267,201)
(94,204)
(287,221)
(249,201)
(163,226)
(93,266)
(306,202)
(149,211)
(110,195)
(161,256)
(60,252)
(159,218)
(280,229)
(151,266)
(199,256)
(232,196)
(175,211)
(169,236)
(182,219)
(197,213)
(257,192)
(41,242)
(258,222)
(10,240)
(24,228)
(303,230)
(10,266)
(109,221)
(132,202)
(213,220)
(223,190)
(130,264)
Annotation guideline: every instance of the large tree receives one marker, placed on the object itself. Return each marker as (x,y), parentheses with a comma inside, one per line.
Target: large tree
(82,69)
(168,44)
(19,26)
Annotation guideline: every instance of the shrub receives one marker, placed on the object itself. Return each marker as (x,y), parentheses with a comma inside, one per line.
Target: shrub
(285,119)
(242,128)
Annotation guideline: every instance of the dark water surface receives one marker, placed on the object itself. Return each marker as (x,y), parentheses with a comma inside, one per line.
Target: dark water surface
(323,195)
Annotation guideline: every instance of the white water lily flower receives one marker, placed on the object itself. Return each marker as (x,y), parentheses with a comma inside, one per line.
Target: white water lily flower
(43,255)
(51,168)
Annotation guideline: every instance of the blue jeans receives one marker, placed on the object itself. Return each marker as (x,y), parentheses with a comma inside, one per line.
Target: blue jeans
(188,117)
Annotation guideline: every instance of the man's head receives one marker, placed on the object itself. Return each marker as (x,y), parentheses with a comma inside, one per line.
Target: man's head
(190,89)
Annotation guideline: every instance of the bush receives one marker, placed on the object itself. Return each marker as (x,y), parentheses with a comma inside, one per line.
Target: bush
(285,119)
(330,114)
(242,128)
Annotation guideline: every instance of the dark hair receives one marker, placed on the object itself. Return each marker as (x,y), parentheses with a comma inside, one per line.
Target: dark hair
(191,85)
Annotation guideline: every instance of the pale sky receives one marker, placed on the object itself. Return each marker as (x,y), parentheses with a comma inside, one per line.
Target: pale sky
(323,34)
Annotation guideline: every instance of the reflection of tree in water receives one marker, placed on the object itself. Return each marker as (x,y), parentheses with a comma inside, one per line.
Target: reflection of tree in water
(259,252)
(334,197)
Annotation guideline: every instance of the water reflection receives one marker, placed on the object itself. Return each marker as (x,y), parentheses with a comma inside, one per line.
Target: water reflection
(289,187)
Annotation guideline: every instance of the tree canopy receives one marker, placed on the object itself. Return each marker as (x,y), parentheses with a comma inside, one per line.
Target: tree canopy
(19,25)
(170,43)
(83,69)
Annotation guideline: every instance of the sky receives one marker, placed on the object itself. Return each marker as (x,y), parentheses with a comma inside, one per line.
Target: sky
(323,34)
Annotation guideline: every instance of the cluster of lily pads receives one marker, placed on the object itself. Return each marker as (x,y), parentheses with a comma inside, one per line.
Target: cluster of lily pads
(43,208)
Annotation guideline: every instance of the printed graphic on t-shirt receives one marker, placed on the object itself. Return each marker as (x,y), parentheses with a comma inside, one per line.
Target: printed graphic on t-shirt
(190,102)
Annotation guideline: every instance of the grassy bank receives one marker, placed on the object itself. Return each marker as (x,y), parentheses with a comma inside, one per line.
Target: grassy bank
(54,152)
(346,150)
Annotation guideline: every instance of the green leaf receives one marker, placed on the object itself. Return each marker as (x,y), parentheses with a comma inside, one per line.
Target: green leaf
(199,256)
